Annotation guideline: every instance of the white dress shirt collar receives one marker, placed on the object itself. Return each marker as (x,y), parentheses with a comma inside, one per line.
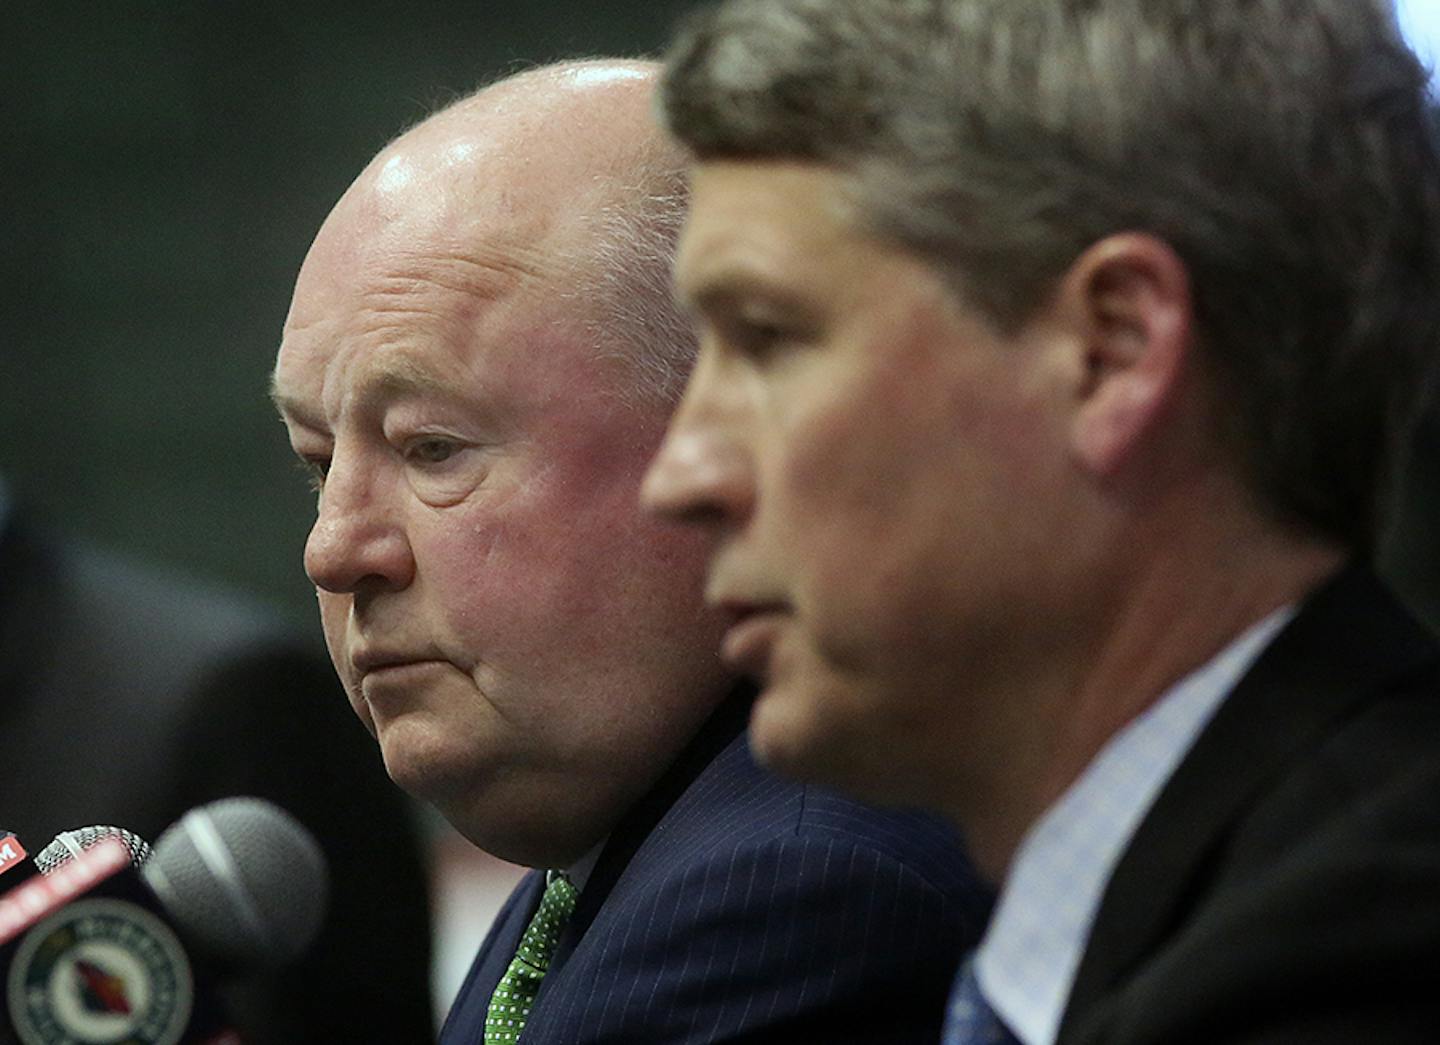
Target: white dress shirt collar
(1028,959)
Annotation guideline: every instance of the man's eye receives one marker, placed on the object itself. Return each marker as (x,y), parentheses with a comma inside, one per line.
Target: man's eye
(759,340)
(756,339)
(759,344)
(315,469)
(432,451)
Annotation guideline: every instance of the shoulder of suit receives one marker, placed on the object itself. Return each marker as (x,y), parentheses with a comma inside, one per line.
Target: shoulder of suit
(735,806)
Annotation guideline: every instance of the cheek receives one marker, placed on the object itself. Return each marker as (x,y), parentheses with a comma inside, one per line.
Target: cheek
(879,523)
(850,439)
(850,482)
(548,570)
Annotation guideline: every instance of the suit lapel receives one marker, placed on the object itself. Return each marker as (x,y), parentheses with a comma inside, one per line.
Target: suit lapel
(656,825)
(1349,640)
(724,725)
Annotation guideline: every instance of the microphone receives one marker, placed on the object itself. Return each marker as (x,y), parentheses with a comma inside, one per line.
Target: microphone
(69,844)
(244,879)
(116,942)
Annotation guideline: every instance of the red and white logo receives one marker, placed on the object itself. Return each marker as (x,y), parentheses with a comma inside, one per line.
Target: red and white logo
(11,852)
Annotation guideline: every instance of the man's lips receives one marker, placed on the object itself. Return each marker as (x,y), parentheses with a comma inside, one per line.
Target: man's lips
(383,681)
(751,638)
(369,662)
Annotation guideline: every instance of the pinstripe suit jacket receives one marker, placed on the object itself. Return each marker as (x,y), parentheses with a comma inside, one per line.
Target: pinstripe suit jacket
(731,905)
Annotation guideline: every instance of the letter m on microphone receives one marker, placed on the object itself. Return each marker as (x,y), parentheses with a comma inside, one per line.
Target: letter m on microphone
(11,852)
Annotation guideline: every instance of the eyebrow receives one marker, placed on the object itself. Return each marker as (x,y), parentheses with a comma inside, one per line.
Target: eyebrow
(729,289)
(291,408)
(397,376)
(392,378)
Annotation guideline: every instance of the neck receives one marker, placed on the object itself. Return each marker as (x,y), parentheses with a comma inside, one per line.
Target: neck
(1158,618)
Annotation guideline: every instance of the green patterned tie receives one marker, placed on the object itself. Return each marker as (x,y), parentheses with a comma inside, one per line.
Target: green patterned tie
(510,1004)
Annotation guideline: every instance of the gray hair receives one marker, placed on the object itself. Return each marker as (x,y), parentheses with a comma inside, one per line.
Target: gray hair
(619,276)
(1280,147)
(624,277)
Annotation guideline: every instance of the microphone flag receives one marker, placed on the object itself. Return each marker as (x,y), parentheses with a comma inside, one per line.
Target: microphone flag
(12,853)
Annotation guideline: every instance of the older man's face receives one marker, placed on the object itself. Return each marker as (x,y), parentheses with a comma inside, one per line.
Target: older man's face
(528,647)
(874,466)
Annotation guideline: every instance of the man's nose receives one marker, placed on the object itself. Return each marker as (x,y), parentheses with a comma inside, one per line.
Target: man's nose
(703,472)
(358,540)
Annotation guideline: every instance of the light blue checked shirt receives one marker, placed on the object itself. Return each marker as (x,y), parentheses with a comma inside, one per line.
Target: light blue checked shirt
(1027,961)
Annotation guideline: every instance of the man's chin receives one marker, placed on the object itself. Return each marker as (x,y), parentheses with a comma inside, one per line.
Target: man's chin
(801,733)
(425,764)
(510,827)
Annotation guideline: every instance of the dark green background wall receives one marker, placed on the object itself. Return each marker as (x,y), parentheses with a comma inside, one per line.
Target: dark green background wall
(164,167)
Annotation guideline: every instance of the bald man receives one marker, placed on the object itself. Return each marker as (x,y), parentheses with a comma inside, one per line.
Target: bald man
(478,362)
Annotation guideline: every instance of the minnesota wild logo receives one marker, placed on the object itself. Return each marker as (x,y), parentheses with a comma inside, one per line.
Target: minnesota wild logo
(100,971)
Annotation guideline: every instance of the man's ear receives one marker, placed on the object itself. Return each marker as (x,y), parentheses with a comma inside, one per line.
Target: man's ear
(1129,296)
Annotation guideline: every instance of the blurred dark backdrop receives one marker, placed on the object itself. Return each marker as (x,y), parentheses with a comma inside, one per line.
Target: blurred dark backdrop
(165,166)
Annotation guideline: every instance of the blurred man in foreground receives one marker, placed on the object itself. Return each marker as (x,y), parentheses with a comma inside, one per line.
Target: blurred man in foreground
(1054,355)
(479,360)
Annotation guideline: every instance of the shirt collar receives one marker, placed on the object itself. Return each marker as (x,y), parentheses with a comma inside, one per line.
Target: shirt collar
(579,872)
(1027,961)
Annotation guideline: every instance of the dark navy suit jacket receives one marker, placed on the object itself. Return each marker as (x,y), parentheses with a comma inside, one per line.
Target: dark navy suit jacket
(731,905)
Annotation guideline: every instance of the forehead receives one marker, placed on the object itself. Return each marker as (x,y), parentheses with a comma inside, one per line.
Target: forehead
(768,222)
(429,308)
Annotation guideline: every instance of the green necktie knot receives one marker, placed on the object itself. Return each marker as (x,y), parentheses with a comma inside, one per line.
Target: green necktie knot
(515,994)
